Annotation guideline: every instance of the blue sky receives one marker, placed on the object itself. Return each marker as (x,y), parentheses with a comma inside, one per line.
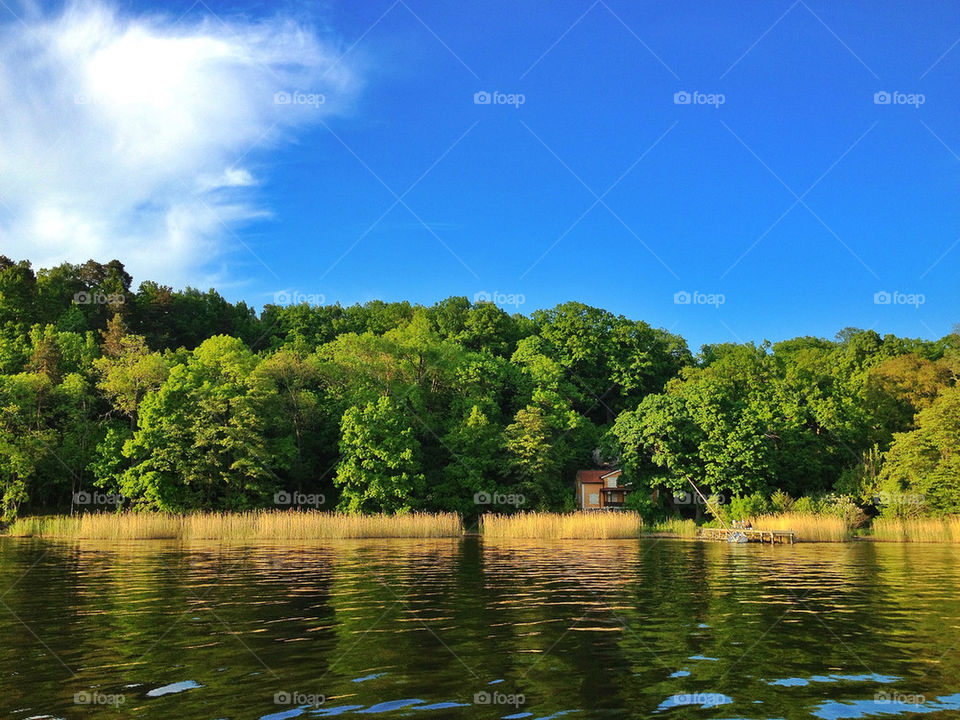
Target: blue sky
(782,199)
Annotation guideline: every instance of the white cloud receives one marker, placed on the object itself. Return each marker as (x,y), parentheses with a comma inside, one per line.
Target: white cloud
(129,137)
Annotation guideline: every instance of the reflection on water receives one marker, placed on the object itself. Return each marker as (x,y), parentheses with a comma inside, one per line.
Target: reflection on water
(472,629)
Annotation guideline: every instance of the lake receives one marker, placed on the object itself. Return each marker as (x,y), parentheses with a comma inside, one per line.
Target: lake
(478,629)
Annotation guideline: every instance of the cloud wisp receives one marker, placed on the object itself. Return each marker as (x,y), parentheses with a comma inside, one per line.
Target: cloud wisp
(135,136)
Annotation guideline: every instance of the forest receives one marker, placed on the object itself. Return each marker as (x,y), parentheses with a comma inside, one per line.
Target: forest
(177,400)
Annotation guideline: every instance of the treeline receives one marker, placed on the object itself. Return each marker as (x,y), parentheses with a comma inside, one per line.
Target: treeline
(180,400)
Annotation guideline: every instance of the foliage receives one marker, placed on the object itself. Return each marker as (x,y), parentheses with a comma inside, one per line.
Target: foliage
(381,459)
(925,462)
(179,400)
(748,506)
(200,440)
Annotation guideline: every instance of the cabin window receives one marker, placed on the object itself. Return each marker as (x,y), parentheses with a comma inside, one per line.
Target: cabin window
(594,499)
(611,482)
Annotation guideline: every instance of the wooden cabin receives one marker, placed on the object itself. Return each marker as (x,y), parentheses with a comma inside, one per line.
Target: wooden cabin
(600,490)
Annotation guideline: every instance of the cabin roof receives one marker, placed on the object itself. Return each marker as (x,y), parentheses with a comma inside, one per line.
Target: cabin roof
(596,476)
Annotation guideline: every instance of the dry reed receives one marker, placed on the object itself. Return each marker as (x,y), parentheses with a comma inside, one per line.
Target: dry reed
(929,530)
(247,526)
(674,526)
(808,527)
(557,526)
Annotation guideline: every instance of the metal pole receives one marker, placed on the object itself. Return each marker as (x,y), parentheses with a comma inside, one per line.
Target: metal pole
(715,513)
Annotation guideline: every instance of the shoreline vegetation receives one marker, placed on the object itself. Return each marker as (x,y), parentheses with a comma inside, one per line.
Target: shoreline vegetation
(561,526)
(245,526)
(269,525)
(154,400)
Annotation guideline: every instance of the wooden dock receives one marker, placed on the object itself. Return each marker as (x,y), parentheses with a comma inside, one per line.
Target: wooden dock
(753,535)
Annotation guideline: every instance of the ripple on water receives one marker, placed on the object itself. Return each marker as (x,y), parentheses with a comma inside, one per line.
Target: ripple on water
(371,676)
(391,705)
(172,688)
(866,708)
(803,682)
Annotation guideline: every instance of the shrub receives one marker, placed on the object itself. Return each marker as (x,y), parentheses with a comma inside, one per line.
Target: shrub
(747,506)
(781,502)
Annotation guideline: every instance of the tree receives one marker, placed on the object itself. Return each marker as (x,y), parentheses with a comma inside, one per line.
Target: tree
(297,416)
(925,462)
(544,446)
(200,441)
(898,388)
(380,466)
(129,372)
(25,442)
(660,444)
(613,361)
(474,466)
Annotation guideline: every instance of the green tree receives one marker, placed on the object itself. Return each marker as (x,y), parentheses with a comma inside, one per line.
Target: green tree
(129,373)
(380,466)
(898,388)
(475,465)
(25,441)
(200,441)
(925,462)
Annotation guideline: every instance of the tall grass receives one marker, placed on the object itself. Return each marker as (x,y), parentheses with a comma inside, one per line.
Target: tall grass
(674,526)
(808,527)
(557,526)
(931,530)
(261,525)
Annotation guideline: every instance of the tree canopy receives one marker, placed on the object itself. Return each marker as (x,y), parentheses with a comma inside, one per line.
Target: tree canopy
(180,400)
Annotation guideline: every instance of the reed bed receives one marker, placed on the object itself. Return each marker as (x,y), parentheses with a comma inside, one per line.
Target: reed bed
(808,528)
(674,526)
(247,526)
(559,526)
(928,530)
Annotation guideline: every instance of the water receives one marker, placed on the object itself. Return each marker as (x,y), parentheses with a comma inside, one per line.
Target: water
(469,629)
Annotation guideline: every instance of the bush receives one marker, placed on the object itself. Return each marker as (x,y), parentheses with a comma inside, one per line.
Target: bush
(747,506)
(807,505)
(781,502)
(639,502)
(844,507)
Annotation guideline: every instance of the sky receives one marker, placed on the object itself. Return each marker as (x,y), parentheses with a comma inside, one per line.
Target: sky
(730,171)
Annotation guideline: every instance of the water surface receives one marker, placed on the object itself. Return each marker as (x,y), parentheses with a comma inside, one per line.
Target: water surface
(472,629)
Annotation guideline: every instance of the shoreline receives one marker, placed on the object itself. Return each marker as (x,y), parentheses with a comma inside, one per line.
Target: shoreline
(275,526)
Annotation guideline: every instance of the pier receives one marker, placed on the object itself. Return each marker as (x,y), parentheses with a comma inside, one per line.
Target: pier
(753,535)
